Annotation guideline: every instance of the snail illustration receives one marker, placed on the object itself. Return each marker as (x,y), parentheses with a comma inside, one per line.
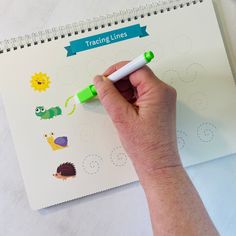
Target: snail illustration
(56,143)
(65,171)
(47,114)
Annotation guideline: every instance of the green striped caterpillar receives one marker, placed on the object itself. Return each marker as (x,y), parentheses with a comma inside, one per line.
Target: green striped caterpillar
(49,113)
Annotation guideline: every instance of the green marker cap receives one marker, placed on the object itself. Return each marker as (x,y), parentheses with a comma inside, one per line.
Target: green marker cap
(149,55)
(86,94)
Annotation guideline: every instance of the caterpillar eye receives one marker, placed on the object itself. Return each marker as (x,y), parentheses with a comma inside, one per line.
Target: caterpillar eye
(45,136)
(37,110)
(42,109)
(52,133)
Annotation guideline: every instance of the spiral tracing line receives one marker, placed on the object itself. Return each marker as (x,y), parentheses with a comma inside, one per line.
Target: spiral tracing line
(118,156)
(92,164)
(206,132)
(81,27)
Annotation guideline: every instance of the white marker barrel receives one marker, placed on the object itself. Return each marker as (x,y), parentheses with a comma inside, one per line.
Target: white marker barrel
(132,66)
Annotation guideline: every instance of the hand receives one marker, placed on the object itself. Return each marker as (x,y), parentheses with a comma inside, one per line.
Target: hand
(143,110)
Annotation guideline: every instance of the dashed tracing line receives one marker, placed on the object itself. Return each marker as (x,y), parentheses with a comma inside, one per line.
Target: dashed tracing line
(118,156)
(181,137)
(193,72)
(199,101)
(206,132)
(171,76)
(92,164)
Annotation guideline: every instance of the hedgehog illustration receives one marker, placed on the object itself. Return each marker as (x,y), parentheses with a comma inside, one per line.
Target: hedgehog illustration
(58,143)
(47,114)
(65,171)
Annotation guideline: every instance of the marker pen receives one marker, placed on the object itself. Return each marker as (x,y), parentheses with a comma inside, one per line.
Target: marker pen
(90,92)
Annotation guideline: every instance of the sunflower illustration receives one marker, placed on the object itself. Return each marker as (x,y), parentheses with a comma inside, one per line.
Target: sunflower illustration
(40,82)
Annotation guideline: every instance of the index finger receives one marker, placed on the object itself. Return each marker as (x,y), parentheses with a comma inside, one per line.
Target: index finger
(143,75)
(114,67)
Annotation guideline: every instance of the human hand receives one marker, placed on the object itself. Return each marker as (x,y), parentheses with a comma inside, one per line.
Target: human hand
(143,110)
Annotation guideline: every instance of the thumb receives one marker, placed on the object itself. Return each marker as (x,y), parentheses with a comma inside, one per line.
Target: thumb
(120,110)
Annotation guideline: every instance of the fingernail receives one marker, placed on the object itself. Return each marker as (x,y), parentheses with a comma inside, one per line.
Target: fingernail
(104,78)
(98,79)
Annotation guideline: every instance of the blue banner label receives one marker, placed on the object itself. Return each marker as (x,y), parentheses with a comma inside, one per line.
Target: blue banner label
(106,38)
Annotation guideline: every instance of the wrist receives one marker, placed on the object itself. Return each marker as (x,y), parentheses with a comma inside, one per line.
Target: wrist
(149,162)
(157,166)
(161,178)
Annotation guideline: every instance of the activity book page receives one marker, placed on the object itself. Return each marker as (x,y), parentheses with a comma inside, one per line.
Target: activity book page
(68,150)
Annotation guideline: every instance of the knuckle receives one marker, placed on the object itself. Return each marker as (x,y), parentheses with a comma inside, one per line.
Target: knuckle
(167,92)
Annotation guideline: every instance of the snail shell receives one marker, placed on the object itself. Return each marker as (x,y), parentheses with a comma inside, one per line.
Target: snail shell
(62,141)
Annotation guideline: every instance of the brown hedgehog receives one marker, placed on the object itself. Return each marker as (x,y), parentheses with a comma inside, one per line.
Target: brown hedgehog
(65,171)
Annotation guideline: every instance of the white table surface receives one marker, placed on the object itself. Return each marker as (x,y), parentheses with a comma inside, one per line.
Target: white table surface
(122,211)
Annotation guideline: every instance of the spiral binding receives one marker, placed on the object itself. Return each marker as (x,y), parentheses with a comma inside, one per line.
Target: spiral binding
(93,24)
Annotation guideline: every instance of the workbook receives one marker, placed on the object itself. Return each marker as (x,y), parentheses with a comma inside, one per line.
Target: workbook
(67,150)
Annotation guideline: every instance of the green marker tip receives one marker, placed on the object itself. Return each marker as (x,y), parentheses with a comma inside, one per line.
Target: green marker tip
(148,55)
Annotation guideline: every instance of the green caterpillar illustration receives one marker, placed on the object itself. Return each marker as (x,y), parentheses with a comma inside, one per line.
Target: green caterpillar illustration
(47,114)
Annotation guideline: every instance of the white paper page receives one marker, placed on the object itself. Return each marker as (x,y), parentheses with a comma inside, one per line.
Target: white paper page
(190,56)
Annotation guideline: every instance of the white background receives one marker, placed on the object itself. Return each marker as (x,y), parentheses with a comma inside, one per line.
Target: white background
(121,211)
